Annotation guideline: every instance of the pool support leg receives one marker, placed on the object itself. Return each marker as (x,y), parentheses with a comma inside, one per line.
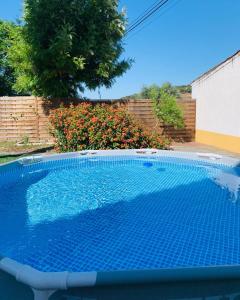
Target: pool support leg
(42,294)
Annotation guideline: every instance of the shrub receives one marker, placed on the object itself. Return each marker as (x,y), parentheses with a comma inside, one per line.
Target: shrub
(167,110)
(165,106)
(99,126)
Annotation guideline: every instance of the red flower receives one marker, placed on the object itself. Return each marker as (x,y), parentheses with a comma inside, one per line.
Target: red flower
(94,119)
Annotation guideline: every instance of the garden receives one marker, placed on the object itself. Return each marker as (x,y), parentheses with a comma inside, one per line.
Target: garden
(46,58)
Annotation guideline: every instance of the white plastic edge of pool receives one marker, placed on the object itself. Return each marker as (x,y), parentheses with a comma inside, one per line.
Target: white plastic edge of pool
(46,280)
(62,280)
(207,157)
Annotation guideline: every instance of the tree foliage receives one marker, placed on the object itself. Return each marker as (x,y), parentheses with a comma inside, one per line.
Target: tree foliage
(68,45)
(164,102)
(184,89)
(154,88)
(7,77)
(165,105)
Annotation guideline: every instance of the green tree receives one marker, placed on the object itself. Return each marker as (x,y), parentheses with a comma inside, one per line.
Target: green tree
(19,59)
(7,78)
(146,91)
(69,45)
(165,106)
(155,91)
(164,103)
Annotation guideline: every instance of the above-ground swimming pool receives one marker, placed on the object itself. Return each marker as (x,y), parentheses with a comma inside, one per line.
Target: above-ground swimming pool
(98,217)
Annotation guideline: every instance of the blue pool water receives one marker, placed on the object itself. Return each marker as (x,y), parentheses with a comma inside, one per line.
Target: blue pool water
(121,213)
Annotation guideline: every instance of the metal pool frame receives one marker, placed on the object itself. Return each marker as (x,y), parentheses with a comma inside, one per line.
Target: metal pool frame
(44,284)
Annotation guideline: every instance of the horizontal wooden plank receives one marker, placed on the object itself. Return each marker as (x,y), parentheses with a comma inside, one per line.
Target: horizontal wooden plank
(18,137)
(18,105)
(144,116)
(18,133)
(27,127)
(140,104)
(19,124)
(23,115)
(16,110)
(140,108)
(19,120)
(189,111)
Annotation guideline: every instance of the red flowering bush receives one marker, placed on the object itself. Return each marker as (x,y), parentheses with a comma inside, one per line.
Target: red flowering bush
(99,126)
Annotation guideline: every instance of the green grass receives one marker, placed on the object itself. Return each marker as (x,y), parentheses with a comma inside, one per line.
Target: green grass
(5,159)
(10,150)
(13,147)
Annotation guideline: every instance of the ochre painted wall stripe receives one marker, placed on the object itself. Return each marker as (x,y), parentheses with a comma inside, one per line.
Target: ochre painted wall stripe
(226,142)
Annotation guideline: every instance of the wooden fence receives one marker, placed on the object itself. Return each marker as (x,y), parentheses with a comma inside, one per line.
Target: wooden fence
(142,110)
(27,117)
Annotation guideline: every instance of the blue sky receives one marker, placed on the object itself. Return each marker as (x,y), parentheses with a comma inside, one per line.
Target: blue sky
(184,40)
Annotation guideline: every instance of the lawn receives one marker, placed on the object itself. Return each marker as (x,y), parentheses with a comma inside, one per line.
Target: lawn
(10,150)
(5,159)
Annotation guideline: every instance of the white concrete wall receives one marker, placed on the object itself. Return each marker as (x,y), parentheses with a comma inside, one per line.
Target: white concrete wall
(217,97)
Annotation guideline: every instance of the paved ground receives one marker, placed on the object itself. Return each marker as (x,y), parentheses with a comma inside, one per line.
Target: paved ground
(196,147)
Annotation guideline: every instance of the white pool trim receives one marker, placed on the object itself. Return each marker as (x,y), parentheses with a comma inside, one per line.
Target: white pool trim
(198,156)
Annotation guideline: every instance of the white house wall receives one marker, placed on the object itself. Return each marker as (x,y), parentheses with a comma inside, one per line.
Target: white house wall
(217,95)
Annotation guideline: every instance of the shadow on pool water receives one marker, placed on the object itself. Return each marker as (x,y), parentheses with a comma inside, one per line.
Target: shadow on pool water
(190,225)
